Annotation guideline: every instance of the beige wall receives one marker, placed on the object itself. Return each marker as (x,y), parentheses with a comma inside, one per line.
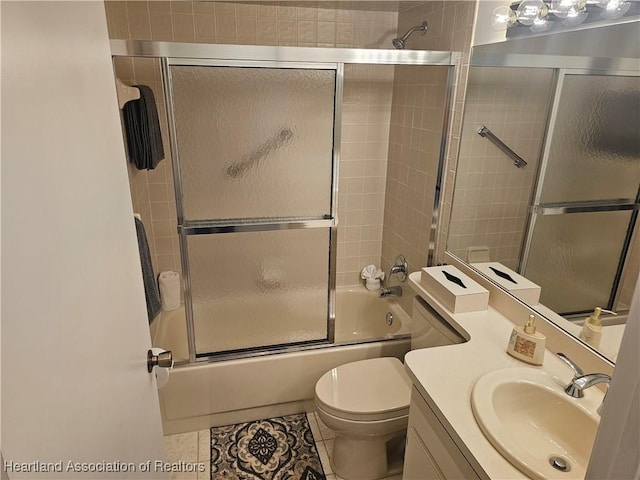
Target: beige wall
(492,196)
(451,25)
(252,24)
(366,116)
(152,190)
(416,128)
(417,118)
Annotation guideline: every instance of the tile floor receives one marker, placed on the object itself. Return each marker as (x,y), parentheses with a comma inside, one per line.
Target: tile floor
(194,447)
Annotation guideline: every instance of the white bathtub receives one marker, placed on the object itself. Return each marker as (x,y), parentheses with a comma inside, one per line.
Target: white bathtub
(217,393)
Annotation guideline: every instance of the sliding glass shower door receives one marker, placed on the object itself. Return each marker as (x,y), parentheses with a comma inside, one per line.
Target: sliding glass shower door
(587,197)
(255,167)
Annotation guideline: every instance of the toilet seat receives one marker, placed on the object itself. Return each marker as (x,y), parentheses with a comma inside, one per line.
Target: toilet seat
(367,390)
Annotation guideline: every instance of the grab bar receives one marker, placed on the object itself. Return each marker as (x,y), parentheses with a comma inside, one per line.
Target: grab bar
(517,159)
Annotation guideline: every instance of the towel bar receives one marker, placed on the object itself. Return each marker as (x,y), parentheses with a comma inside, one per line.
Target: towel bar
(518,161)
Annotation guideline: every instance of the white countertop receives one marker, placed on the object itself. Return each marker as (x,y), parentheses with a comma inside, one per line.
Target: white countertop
(445,377)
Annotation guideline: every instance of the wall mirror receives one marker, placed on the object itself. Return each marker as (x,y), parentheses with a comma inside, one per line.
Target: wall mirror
(548,174)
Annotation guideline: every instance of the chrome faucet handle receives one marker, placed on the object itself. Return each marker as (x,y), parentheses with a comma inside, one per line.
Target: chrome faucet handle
(572,389)
(577,371)
(400,268)
(580,380)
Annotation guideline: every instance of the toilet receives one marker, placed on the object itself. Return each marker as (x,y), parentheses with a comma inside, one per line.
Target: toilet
(366,402)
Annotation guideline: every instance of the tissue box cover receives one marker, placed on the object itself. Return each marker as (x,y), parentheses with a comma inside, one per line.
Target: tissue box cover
(455,290)
(516,284)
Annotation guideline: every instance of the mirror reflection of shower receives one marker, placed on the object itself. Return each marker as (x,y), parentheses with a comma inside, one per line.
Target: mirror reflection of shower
(399,42)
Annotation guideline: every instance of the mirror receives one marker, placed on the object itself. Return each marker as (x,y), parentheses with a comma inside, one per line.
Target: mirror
(568,104)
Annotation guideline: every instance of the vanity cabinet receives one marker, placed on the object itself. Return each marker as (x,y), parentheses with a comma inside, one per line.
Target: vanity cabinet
(431,453)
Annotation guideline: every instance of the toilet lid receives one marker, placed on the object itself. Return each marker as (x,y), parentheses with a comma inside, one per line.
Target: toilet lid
(374,389)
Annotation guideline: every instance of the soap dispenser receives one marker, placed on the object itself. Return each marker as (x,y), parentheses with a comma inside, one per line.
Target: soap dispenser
(526,343)
(592,329)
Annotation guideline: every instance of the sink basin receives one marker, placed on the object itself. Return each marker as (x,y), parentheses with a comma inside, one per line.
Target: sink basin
(528,418)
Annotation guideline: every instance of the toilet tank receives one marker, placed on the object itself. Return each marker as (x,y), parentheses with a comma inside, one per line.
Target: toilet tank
(429,329)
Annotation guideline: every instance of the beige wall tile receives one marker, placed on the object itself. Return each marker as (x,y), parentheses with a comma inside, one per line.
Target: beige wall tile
(247,29)
(224,9)
(246,10)
(161,26)
(307,31)
(117,21)
(205,28)
(183,28)
(138,20)
(287,31)
(226,27)
(267,31)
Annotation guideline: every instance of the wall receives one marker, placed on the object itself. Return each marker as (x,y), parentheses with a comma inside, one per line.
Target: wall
(252,24)
(492,196)
(451,26)
(367,106)
(417,121)
(368,90)
(152,191)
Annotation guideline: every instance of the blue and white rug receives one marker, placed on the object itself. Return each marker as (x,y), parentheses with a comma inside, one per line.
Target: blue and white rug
(279,448)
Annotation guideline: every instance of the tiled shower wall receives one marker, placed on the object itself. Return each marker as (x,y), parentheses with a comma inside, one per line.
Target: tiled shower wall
(363,168)
(152,190)
(367,106)
(247,23)
(418,117)
(492,196)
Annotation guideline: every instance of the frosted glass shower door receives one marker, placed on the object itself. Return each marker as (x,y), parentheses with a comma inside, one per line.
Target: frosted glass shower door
(255,166)
(587,199)
(254,142)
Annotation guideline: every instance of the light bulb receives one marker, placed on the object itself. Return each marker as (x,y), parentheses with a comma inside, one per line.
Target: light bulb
(567,8)
(531,10)
(575,19)
(615,9)
(541,25)
(502,18)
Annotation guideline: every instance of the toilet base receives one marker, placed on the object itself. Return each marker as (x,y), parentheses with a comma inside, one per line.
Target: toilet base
(363,458)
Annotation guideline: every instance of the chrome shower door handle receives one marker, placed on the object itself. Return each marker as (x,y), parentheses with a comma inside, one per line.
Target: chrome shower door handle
(163,360)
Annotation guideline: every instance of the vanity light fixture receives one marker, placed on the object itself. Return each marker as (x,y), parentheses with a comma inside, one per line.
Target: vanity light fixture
(540,15)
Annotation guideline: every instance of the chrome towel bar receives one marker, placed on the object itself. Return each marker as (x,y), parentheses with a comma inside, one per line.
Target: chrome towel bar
(517,159)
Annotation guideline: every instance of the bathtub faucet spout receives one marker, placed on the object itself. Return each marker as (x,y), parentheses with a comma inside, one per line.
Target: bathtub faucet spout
(390,292)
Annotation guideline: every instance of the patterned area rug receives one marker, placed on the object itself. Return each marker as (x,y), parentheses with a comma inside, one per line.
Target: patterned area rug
(279,448)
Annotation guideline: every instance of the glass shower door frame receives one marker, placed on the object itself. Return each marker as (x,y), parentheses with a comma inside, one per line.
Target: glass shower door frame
(563,208)
(187,228)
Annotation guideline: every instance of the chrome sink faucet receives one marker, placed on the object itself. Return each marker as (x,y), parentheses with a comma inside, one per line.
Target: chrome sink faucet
(581,381)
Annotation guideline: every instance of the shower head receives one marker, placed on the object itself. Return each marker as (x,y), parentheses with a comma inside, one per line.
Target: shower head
(399,42)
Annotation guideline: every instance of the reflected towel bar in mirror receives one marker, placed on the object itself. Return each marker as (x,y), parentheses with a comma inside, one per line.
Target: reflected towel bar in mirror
(517,159)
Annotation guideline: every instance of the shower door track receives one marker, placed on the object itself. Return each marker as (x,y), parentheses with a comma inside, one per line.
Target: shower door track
(174,53)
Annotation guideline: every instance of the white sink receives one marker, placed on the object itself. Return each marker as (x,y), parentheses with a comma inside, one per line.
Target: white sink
(531,421)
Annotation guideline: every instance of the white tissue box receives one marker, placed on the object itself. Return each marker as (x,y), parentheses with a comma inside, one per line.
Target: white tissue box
(455,290)
(516,284)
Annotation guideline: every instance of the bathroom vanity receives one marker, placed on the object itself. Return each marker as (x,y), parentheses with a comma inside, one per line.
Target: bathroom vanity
(431,452)
(444,439)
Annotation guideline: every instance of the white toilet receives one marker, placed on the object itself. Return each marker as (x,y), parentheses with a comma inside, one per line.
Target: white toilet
(366,403)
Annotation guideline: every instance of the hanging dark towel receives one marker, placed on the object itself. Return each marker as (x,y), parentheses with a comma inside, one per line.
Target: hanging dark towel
(151,293)
(142,128)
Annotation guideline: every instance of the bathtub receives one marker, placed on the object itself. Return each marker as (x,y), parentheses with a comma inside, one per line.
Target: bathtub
(207,394)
